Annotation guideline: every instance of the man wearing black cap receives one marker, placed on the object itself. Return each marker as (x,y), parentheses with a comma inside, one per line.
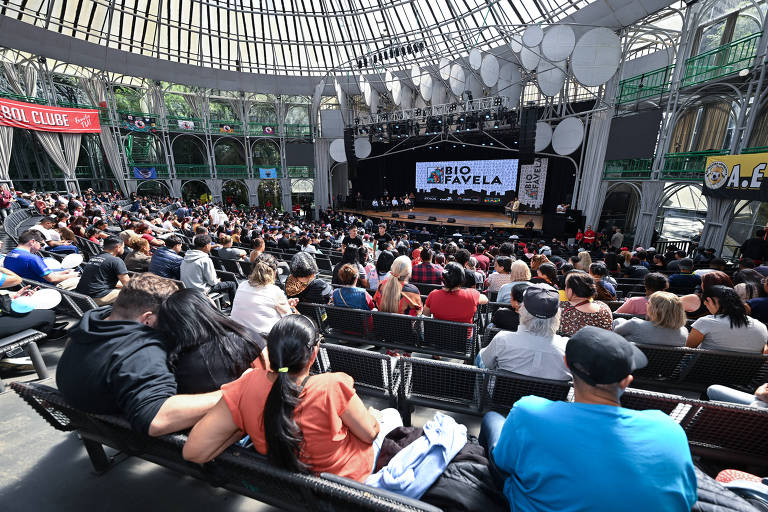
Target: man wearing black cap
(535,349)
(591,454)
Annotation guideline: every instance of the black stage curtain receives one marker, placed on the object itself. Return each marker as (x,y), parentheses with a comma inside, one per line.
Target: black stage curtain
(396,172)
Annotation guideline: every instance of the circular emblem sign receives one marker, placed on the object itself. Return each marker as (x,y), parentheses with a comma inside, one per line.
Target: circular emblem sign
(716,175)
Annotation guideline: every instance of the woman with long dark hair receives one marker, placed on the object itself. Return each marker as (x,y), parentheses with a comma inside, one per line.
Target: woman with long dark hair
(453,302)
(581,309)
(350,256)
(727,327)
(301,422)
(206,348)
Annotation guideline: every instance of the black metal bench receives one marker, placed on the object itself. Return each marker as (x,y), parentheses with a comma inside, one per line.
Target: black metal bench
(374,373)
(72,303)
(727,432)
(696,370)
(401,332)
(239,470)
(15,344)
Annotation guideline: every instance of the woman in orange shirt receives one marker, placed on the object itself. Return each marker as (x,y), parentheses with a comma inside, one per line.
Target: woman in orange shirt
(300,422)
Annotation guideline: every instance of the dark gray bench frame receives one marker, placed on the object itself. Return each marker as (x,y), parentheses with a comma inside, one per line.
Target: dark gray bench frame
(390,330)
(239,470)
(25,340)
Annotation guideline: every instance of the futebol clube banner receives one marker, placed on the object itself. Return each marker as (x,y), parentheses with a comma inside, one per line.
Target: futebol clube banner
(737,177)
(30,116)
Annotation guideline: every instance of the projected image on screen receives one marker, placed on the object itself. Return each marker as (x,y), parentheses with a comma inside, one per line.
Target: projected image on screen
(491,182)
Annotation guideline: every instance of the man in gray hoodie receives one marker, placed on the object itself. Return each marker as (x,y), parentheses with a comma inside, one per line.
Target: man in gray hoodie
(197,270)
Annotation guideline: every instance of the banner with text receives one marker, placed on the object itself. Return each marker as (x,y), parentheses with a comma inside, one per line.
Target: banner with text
(48,119)
(737,177)
(267,173)
(533,177)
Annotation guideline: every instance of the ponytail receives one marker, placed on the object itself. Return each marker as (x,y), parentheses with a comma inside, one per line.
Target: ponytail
(291,344)
(390,292)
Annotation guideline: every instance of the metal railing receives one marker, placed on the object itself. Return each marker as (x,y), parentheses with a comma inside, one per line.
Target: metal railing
(756,149)
(688,166)
(232,171)
(628,169)
(192,171)
(646,85)
(722,61)
(25,99)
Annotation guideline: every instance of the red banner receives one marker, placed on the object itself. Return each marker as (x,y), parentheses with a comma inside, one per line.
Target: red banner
(48,119)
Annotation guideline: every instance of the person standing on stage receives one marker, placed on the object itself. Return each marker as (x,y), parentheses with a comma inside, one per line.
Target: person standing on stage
(514,209)
(589,236)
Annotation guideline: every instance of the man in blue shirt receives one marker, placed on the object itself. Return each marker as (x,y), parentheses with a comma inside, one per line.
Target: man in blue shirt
(24,262)
(591,455)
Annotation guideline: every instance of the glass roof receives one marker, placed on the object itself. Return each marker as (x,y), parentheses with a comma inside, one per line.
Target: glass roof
(294,37)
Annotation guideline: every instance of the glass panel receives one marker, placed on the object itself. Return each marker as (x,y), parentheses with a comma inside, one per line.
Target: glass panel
(711,37)
(682,214)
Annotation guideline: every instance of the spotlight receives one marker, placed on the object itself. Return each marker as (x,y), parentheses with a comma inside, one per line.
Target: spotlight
(359,64)
(409,49)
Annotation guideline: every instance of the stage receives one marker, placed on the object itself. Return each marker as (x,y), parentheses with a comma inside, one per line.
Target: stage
(464,218)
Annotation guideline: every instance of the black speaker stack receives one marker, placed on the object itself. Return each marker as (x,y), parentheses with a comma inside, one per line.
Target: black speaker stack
(451,220)
(396,215)
(432,219)
(349,150)
(527,142)
(411,216)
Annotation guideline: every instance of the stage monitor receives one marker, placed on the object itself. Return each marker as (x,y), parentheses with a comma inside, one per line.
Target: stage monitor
(470,182)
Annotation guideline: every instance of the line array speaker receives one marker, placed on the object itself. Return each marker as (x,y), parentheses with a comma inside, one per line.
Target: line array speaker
(527,140)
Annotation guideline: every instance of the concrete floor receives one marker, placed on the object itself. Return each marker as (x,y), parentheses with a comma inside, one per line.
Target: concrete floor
(42,469)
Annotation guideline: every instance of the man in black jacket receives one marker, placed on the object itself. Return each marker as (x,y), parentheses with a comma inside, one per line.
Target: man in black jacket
(755,247)
(116,363)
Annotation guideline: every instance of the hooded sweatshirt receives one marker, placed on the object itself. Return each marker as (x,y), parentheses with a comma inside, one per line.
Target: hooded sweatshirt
(197,271)
(115,367)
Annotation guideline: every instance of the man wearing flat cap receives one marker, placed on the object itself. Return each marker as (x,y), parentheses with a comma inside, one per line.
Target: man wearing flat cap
(591,454)
(534,349)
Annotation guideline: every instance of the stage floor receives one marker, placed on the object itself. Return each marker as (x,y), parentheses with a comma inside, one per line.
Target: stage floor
(464,218)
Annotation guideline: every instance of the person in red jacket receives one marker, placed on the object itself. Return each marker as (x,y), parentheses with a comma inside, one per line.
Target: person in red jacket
(589,236)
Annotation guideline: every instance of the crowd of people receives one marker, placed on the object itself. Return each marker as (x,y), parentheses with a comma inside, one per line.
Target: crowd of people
(159,351)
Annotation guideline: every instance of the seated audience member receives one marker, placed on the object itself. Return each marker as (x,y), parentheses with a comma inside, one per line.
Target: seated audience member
(143,230)
(166,261)
(13,321)
(502,266)
(350,256)
(605,290)
(685,280)
(258,248)
(653,282)
(453,302)
(381,269)
(727,327)
(748,284)
(303,282)
(105,274)
(636,269)
(197,272)
(474,272)
(584,261)
(140,256)
(759,305)
(665,324)
(116,363)
(206,349)
(509,318)
(259,303)
(546,274)
(725,394)
(53,241)
(518,273)
(581,309)
(535,349)
(548,453)
(301,422)
(349,295)
(427,272)
(228,252)
(395,294)
(27,264)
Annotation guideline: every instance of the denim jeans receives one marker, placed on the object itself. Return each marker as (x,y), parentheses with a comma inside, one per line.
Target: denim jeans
(490,431)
